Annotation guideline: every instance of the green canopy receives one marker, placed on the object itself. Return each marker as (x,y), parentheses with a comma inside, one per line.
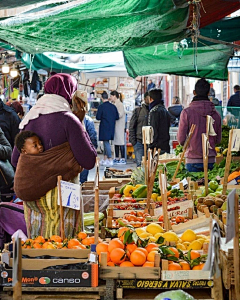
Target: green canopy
(97,26)
(211,62)
(49,63)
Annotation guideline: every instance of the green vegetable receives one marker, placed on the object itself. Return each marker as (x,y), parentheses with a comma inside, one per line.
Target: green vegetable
(178,149)
(176,295)
(123,187)
(89,218)
(140,192)
(138,176)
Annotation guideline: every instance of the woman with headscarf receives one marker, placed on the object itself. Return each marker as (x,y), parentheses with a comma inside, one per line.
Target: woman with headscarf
(54,122)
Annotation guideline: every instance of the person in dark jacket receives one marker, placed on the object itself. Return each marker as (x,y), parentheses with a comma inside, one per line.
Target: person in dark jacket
(138,120)
(212,97)
(9,122)
(107,114)
(159,119)
(151,85)
(234,100)
(5,154)
(90,128)
(175,111)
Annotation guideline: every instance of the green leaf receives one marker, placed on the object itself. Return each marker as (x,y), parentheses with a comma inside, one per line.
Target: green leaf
(160,240)
(173,258)
(135,237)
(127,237)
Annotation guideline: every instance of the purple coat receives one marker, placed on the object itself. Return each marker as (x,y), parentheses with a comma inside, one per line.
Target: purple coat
(57,128)
(196,114)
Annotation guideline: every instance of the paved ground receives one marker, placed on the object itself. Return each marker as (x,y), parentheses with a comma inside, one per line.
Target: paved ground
(130,165)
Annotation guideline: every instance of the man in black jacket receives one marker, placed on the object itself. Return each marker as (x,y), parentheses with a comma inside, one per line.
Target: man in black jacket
(9,122)
(159,119)
(234,100)
(138,120)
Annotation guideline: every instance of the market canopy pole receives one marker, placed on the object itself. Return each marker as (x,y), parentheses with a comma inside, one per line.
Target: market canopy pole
(163,187)
(236,249)
(17,269)
(228,162)
(184,150)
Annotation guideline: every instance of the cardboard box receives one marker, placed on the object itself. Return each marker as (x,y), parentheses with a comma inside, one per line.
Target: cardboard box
(86,276)
(67,253)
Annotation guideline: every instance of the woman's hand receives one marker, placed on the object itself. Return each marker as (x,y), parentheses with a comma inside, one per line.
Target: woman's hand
(79,108)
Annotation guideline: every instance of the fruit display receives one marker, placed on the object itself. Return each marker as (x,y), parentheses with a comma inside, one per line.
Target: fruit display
(82,241)
(138,247)
(211,202)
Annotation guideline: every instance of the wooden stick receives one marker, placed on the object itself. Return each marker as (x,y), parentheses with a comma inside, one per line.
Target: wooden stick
(96,205)
(62,233)
(205,164)
(184,150)
(17,288)
(145,156)
(236,251)
(81,210)
(228,163)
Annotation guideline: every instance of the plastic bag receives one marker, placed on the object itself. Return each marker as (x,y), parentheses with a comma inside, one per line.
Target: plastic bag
(174,295)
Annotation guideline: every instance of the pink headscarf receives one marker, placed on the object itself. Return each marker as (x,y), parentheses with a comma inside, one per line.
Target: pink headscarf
(61,84)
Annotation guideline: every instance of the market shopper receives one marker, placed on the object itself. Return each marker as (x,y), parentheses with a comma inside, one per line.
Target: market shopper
(16,105)
(196,113)
(175,111)
(159,119)
(27,142)
(234,100)
(119,135)
(107,114)
(138,120)
(90,128)
(9,122)
(151,85)
(60,130)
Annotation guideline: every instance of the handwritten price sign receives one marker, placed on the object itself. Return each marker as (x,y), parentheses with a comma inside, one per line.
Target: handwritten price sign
(70,195)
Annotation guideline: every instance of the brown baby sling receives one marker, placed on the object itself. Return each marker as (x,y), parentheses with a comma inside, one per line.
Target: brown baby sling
(36,174)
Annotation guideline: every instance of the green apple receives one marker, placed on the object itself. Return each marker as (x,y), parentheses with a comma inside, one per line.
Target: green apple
(213,185)
(212,194)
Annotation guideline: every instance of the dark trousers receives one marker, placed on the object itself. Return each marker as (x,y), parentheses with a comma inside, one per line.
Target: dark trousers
(122,149)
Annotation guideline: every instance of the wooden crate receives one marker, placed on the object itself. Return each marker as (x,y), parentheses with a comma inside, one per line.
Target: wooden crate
(227,268)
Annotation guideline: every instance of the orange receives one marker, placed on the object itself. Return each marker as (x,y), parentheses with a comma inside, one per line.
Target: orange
(108,257)
(143,250)
(198,267)
(128,254)
(150,246)
(121,233)
(81,235)
(56,238)
(86,241)
(118,255)
(115,243)
(154,249)
(138,258)
(39,239)
(126,264)
(131,247)
(51,246)
(174,267)
(37,245)
(184,265)
(45,245)
(29,242)
(151,256)
(59,245)
(148,264)
(111,264)
(176,253)
(101,247)
(194,254)
(72,243)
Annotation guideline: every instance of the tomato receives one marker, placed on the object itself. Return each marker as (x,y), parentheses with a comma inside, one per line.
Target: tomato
(134,213)
(180,219)
(160,219)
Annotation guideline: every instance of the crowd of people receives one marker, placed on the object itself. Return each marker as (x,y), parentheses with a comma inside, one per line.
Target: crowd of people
(57,137)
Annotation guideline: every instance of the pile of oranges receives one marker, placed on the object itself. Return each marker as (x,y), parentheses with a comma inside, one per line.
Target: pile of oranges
(82,241)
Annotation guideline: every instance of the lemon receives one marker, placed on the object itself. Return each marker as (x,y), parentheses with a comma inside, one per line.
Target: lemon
(154,228)
(201,240)
(207,241)
(152,239)
(195,245)
(145,235)
(188,236)
(157,235)
(170,237)
(186,244)
(181,246)
(180,241)
(154,196)
(139,231)
(200,236)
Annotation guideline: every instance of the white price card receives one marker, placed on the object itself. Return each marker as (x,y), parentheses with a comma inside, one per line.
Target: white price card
(235,140)
(70,195)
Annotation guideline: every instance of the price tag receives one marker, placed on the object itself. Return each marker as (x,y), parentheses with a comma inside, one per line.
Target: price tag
(235,140)
(70,195)
(177,186)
